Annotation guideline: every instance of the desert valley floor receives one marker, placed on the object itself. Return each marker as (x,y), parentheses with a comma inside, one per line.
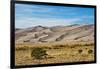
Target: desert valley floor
(63,44)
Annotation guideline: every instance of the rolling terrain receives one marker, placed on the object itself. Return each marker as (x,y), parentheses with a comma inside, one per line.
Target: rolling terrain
(40,34)
(63,44)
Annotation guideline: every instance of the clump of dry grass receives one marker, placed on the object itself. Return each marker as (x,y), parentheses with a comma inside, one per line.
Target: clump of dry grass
(80,51)
(90,51)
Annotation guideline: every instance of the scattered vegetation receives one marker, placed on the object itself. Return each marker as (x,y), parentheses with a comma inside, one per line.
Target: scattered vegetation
(58,46)
(85,44)
(54,53)
(90,44)
(47,47)
(22,48)
(26,47)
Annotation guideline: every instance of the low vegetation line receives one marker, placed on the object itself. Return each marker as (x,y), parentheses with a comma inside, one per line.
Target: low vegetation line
(59,46)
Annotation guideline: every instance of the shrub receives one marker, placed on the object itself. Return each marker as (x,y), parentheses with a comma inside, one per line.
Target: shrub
(80,51)
(38,53)
(90,51)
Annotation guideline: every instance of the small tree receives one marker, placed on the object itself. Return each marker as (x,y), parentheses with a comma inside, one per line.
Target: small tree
(38,53)
(80,51)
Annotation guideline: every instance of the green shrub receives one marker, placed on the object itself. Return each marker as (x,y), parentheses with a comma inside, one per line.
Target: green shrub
(38,53)
(90,51)
(80,51)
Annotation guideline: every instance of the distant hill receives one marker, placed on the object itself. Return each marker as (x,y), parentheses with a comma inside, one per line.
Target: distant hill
(17,29)
(54,34)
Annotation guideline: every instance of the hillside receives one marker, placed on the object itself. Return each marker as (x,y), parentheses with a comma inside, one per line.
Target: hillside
(40,34)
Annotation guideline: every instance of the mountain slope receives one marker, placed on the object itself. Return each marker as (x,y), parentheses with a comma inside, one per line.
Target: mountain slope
(54,34)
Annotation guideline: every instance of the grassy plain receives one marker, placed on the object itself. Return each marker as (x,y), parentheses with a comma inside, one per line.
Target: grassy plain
(58,52)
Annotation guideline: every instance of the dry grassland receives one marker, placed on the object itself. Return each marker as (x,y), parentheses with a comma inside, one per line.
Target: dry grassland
(57,53)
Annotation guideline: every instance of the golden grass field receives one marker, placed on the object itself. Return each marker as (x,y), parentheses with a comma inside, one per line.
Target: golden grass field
(57,53)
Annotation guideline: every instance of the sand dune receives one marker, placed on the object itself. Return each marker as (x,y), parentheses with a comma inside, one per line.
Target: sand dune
(54,34)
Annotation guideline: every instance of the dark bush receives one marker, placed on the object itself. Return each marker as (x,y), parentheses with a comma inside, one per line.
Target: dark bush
(38,53)
(90,51)
(80,51)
